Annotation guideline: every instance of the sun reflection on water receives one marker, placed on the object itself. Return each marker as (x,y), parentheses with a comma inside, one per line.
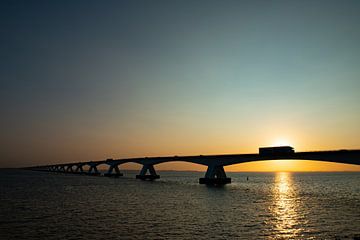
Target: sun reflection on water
(285,207)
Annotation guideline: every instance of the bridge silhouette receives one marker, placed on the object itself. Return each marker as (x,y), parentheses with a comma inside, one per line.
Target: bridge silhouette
(215,173)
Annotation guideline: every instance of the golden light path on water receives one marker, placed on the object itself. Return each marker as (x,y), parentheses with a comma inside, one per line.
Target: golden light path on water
(285,207)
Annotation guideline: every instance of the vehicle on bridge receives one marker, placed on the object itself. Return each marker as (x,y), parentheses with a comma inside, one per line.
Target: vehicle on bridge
(281,150)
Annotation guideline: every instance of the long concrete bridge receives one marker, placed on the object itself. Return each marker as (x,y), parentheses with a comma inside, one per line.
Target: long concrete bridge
(215,173)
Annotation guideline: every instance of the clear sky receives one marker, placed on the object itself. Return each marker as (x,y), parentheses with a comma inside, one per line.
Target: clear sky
(89,80)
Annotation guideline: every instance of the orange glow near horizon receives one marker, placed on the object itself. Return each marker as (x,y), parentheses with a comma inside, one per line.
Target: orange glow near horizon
(292,166)
(217,146)
(219,141)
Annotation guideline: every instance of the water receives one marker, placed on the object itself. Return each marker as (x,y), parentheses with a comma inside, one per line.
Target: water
(40,205)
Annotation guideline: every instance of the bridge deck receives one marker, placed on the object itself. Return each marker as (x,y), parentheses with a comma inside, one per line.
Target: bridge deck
(215,173)
(340,156)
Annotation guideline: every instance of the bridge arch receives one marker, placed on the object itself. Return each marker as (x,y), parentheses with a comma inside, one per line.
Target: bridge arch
(334,157)
(182,165)
(292,165)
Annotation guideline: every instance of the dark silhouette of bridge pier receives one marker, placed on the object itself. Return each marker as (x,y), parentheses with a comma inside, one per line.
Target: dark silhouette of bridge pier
(215,173)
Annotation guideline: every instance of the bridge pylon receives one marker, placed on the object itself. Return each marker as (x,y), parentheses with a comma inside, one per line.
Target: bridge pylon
(69,169)
(144,170)
(62,169)
(112,168)
(93,171)
(215,175)
(79,169)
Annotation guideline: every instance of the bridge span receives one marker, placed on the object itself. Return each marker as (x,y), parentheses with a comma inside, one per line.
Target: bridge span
(215,173)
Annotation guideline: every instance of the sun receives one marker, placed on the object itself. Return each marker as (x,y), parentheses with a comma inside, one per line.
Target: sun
(281,142)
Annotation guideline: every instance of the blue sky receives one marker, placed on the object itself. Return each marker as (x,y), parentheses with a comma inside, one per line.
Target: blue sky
(88,79)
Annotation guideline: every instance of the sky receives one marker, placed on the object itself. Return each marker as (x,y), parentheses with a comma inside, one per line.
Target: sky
(91,80)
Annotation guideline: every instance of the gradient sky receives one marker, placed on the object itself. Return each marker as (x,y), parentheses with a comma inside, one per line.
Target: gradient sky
(89,80)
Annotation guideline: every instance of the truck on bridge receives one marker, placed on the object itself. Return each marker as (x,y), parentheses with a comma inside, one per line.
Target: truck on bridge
(281,150)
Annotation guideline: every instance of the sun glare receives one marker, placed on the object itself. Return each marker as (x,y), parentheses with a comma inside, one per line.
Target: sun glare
(281,142)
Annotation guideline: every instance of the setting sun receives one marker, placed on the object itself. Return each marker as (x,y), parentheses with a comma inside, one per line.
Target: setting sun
(282,142)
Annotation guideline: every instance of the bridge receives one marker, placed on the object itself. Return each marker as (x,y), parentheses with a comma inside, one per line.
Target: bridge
(215,173)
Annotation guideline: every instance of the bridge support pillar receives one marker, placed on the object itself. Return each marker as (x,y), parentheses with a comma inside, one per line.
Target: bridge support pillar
(93,171)
(69,169)
(215,175)
(151,176)
(79,169)
(112,168)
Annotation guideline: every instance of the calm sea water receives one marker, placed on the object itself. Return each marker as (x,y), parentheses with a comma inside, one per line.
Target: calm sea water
(40,205)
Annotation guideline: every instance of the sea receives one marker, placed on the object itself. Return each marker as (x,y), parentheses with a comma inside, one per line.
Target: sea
(281,205)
